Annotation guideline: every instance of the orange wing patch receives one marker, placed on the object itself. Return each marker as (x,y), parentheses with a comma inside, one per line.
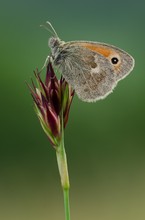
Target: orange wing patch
(104,51)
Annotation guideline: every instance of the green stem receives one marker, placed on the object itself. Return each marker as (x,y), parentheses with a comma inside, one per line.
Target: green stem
(66,203)
(63,171)
(62,166)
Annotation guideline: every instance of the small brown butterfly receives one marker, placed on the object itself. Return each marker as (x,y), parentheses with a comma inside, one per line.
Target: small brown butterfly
(93,69)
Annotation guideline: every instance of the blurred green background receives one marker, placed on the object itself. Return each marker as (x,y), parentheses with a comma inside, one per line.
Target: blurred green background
(105,141)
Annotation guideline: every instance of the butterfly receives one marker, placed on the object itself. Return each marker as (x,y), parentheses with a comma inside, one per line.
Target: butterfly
(93,69)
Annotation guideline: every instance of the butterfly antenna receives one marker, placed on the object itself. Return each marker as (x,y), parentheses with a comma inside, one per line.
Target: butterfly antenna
(50,25)
(50,28)
(42,25)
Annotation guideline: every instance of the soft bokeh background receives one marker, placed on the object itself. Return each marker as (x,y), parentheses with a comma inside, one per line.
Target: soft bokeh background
(105,141)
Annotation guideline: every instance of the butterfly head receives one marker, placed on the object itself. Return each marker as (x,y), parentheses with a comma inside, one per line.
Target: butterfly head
(55,45)
(54,42)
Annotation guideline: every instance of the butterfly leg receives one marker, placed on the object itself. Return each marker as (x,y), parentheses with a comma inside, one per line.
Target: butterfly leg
(45,63)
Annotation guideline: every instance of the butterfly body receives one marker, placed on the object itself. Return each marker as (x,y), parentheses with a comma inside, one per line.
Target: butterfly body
(91,68)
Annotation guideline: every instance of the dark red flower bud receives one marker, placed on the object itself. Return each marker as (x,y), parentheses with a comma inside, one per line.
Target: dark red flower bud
(52,100)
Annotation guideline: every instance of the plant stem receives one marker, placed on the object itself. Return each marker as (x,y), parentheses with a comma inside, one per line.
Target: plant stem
(66,203)
(63,171)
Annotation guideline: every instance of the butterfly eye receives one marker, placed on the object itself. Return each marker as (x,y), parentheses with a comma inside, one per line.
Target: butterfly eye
(114,60)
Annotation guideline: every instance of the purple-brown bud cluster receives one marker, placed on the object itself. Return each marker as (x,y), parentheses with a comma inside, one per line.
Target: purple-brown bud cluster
(52,98)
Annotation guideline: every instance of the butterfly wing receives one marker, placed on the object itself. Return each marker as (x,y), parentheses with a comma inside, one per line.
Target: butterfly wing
(125,62)
(88,68)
